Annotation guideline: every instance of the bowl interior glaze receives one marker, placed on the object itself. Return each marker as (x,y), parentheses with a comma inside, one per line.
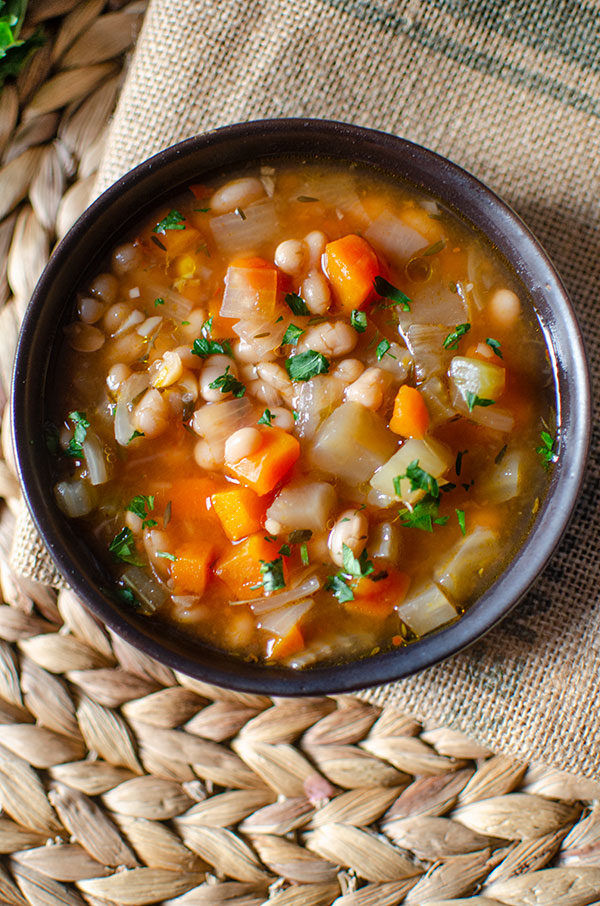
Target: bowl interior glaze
(143,189)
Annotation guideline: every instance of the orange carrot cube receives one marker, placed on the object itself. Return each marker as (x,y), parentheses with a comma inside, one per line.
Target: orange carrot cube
(263,469)
(351,266)
(190,572)
(410,417)
(240,510)
(239,568)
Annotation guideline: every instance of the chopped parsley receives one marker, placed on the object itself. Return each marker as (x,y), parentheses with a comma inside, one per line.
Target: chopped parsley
(173,221)
(424,515)
(166,556)
(305,365)
(204,347)
(546,449)
(266,418)
(159,301)
(382,349)
(358,320)
(297,304)
(292,335)
(285,550)
(272,574)
(453,339)
(435,248)
(340,588)
(459,459)
(474,400)
(135,434)
(75,447)
(304,554)
(300,535)
(495,345)
(460,515)
(388,291)
(228,383)
(142,505)
(420,480)
(356,566)
(306,198)
(123,547)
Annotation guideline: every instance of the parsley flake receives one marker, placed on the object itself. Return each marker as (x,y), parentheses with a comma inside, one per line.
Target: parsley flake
(453,339)
(75,447)
(285,550)
(204,347)
(420,480)
(340,588)
(474,400)
(266,418)
(306,198)
(300,535)
(305,365)
(382,349)
(356,566)
(358,320)
(272,574)
(459,459)
(460,515)
(142,505)
(123,547)
(495,345)
(292,335)
(135,434)
(424,515)
(227,383)
(159,301)
(546,449)
(166,556)
(388,291)
(297,304)
(304,554)
(435,248)
(173,221)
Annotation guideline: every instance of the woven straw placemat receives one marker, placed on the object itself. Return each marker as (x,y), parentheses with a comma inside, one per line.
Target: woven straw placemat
(122,782)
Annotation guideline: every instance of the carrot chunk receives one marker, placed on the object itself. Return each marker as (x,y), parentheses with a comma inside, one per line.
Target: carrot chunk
(191,570)
(176,242)
(262,470)
(410,417)
(351,266)
(189,498)
(378,599)
(240,511)
(239,568)
(288,644)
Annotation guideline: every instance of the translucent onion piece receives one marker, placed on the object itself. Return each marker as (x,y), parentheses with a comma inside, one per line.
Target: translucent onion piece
(437,398)
(234,234)
(280,621)
(265,604)
(385,541)
(434,303)
(425,609)
(503,481)
(263,335)
(145,587)
(216,421)
(460,573)
(95,459)
(314,401)
(130,389)
(397,361)
(74,497)
(489,416)
(397,241)
(175,305)
(480,275)
(426,343)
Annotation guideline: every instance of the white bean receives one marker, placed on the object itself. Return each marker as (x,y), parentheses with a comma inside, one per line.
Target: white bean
(205,456)
(125,258)
(105,287)
(189,387)
(349,370)
(272,527)
(214,367)
(157,542)
(243,442)
(127,348)
(332,338)
(151,415)
(133,522)
(315,243)
(90,310)
(282,418)
(276,377)
(504,307)
(188,359)
(351,529)
(168,370)
(115,316)
(316,293)
(289,256)
(84,337)
(236,194)
(118,373)
(246,352)
(190,331)
(368,389)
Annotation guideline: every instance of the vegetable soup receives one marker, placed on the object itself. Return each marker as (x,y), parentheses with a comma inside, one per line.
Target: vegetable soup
(304,414)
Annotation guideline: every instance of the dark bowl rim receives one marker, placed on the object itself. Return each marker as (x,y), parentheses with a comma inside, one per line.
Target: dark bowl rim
(533,555)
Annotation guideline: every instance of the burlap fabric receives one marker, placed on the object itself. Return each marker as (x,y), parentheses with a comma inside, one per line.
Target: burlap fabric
(509,90)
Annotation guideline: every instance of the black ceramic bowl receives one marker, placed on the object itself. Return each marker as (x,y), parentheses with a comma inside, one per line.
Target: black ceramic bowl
(143,189)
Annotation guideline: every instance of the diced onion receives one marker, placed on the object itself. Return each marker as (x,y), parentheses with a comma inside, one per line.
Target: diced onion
(314,400)
(434,303)
(426,343)
(458,575)
(234,234)
(393,237)
(95,459)
(263,335)
(130,389)
(148,591)
(175,305)
(216,421)
(266,604)
(75,497)
(426,609)
(280,621)
(133,318)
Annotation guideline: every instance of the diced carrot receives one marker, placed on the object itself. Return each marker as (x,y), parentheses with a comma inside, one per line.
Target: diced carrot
(240,511)
(239,568)
(378,599)
(351,266)
(176,242)
(287,645)
(410,417)
(191,570)
(220,328)
(418,219)
(253,263)
(263,469)
(189,498)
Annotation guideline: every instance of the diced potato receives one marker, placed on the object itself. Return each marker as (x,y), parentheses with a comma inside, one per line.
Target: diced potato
(384,541)
(426,343)
(352,443)
(426,608)
(303,504)
(503,481)
(459,574)
(485,379)
(432,456)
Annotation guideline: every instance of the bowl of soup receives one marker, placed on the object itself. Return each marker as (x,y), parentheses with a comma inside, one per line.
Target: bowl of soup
(300,407)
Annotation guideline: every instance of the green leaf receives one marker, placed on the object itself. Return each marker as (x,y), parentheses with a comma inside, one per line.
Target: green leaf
(420,480)
(227,383)
(495,345)
(142,505)
(354,566)
(305,365)
(166,556)
(135,434)
(423,515)
(292,335)
(382,348)
(75,447)
(206,328)
(460,515)
(358,320)
(285,550)
(266,418)
(159,301)
(272,574)
(297,304)
(339,587)
(173,221)
(204,347)
(474,400)
(123,547)
(304,555)
(387,291)
(459,459)
(546,450)
(453,339)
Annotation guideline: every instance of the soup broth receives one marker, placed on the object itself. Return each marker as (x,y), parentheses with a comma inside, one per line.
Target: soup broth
(303,413)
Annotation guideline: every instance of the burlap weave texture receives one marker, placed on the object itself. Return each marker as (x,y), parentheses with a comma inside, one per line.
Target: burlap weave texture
(511,92)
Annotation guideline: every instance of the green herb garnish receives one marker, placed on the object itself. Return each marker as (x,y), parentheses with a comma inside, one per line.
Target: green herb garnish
(435,248)
(546,449)
(305,365)
(123,547)
(292,335)
(339,588)
(75,447)
(304,555)
(382,348)
(300,535)
(285,550)
(266,418)
(166,556)
(420,480)
(387,291)
(272,574)
(227,383)
(306,198)
(459,459)
(453,339)
(297,304)
(159,301)
(460,515)
(142,505)
(474,400)
(356,566)
(424,515)
(204,347)
(495,345)
(358,320)
(173,221)
(135,434)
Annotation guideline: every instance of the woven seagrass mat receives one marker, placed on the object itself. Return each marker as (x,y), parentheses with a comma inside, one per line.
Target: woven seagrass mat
(121,782)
